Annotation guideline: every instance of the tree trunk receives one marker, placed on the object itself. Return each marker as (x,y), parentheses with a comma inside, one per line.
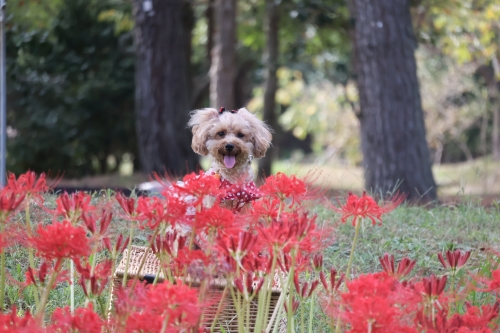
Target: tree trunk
(396,156)
(494,100)
(271,63)
(222,68)
(162,44)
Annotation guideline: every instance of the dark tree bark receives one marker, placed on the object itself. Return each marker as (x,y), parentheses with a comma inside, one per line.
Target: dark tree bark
(162,43)
(271,63)
(222,69)
(395,152)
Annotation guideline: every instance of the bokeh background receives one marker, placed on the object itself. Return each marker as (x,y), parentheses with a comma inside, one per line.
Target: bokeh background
(100,90)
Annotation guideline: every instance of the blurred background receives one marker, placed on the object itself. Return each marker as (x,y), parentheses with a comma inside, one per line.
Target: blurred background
(362,93)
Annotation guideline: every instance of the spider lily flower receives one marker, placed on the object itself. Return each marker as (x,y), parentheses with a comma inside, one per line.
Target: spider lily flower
(61,240)
(454,259)
(366,207)
(334,285)
(434,286)
(72,206)
(404,268)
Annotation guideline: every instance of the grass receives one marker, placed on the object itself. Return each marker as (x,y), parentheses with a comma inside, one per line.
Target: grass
(417,232)
(478,177)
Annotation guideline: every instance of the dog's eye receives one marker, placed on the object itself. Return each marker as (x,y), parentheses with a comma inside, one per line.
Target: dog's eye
(240,135)
(221,133)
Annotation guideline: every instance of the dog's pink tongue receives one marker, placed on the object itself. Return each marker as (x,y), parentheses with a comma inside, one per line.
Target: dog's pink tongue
(229,161)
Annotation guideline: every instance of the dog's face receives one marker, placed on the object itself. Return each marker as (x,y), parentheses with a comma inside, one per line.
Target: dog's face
(231,138)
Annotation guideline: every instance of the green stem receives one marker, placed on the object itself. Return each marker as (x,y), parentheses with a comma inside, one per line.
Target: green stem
(311,309)
(110,287)
(72,287)
(31,257)
(348,271)
(302,326)
(269,286)
(290,296)
(2,271)
(45,296)
(129,247)
(219,308)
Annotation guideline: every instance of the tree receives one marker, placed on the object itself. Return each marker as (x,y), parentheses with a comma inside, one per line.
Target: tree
(469,30)
(162,44)
(70,88)
(395,152)
(222,69)
(271,85)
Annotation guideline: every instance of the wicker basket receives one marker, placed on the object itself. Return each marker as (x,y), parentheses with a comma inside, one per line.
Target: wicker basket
(227,317)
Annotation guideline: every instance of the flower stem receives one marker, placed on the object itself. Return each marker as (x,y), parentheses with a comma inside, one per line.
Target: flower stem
(45,296)
(348,270)
(110,287)
(129,247)
(31,258)
(2,271)
(311,309)
(72,287)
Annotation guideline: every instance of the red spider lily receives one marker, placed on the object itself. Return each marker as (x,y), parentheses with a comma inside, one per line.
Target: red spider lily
(176,304)
(234,248)
(11,323)
(455,259)
(266,208)
(282,187)
(186,258)
(334,282)
(85,320)
(245,284)
(304,292)
(27,184)
(295,305)
(90,221)
(155,211)
(199,186)
(61,240)
(214,219)
(404,268)
(277,235)
(42,273)
(318,262)
(9,202)
(474,320)
(492,284)
(434,286)
(98,279)
(370,305)
(128,206)
(72,206)
(118,247)
(171,243)
(365,207)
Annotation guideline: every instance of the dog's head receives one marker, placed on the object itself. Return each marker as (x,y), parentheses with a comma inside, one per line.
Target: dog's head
(232,138)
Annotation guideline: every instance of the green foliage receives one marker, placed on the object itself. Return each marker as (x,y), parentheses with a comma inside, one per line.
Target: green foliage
(70,90)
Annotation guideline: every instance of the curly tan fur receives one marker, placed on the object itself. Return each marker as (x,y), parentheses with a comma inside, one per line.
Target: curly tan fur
(250,137)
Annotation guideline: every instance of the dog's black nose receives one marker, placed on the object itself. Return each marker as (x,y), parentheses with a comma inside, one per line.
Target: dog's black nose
(229,147)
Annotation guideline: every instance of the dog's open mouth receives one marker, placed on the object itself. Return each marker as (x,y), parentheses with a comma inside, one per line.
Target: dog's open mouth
(229,161)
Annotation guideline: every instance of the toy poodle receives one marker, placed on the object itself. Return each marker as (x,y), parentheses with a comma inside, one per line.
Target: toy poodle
(232,139)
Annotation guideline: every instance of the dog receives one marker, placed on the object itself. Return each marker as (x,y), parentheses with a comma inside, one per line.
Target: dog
(232,139)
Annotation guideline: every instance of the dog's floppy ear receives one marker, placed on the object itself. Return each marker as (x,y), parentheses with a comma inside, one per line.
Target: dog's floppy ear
(261,133)
(200,123)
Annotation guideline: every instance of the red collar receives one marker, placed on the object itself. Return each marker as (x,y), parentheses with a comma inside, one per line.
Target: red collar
(243,193)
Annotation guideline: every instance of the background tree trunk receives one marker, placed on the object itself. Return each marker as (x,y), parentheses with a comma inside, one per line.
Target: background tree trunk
(395,152)
(495,107)
(222,68)
(271,63)
(162,44)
